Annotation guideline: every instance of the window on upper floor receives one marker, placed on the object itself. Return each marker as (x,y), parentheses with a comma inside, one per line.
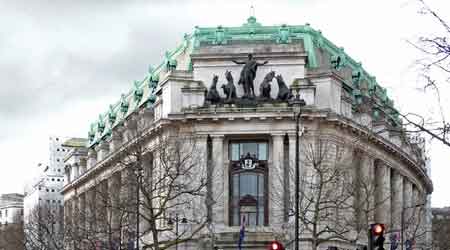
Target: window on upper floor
(238,149)
(248,187)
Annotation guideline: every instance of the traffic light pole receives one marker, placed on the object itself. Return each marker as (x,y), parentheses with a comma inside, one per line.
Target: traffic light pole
(297,102)
(297,179)
(402,223)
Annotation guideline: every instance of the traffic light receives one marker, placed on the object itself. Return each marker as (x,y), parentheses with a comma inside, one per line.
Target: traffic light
(376,233)
(275,245)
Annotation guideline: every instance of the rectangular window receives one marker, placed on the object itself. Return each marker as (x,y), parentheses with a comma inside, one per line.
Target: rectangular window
(262,151)
(240,149)
(235,152)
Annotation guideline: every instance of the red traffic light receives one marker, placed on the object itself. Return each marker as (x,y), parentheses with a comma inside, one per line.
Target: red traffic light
(275,245)
(378,229)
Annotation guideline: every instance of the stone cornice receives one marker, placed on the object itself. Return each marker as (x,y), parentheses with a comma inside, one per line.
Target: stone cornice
(309,114)
(235,114)
(112,157)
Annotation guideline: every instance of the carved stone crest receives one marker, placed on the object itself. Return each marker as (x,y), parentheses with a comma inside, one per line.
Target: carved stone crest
(249,162)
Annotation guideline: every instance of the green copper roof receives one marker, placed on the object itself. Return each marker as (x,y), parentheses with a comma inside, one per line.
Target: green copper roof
(316,46)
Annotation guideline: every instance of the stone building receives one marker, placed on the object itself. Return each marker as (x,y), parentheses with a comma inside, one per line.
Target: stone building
(43,201)
(441,228)
(11,209)
(11,221)
(245,136)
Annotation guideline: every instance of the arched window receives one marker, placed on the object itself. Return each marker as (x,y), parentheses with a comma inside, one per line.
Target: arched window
(248,182)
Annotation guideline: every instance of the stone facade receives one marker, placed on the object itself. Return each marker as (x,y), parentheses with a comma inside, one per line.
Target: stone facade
(344,105)
(11,209)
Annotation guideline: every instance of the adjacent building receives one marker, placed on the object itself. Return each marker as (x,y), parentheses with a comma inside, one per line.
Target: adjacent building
(441,228)
(11,221)
(11,209)
(220,117)
(43,202)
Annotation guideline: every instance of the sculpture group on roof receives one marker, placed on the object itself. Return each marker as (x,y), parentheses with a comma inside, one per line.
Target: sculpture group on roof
(247,77)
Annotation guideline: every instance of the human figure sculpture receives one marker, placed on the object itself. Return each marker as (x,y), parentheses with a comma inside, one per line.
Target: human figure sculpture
(248,75)
(229,89)
(284,93)
(213,96)
(265,88)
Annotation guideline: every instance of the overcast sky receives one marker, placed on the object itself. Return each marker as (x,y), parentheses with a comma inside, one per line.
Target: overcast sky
(64,62)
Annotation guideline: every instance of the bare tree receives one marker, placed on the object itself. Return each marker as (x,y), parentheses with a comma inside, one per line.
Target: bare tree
(441,231)
(170,172)
(434,72)
(165,181)
(44,228)
(336,200)
(12,235)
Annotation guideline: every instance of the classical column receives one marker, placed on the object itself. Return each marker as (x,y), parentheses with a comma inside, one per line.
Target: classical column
(82,213)
(289,177)
(218,183)
(367,181)
(91,158)
(114,209)
(101,206)
(116,139)
(102,150)
(91,211)
(276,173)
(67,214)
(407,203)
(75,216)
(74,172)
(358,200)
(382,193)
(83,166)
(147,178)
(67,170)
(128,196)
(396,199)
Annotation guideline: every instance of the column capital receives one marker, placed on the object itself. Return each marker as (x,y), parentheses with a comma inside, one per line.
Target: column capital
(217,136)
(277,134)
(91,152)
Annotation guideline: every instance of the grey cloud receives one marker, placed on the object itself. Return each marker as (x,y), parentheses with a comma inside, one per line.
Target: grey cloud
(69,71)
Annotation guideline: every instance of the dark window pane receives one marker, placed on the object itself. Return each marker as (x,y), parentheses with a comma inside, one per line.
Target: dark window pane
(260,184)
(236,185)
(249,147)
(262,151)
(248,184)
(235,152)
(236,217)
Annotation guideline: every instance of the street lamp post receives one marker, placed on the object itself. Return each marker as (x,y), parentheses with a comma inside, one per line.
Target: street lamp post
(170,222)
(299,103)
(403,221)
(138,173)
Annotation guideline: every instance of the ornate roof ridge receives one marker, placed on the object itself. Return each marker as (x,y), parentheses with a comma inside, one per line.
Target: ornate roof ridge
(142,93)
(252,30)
